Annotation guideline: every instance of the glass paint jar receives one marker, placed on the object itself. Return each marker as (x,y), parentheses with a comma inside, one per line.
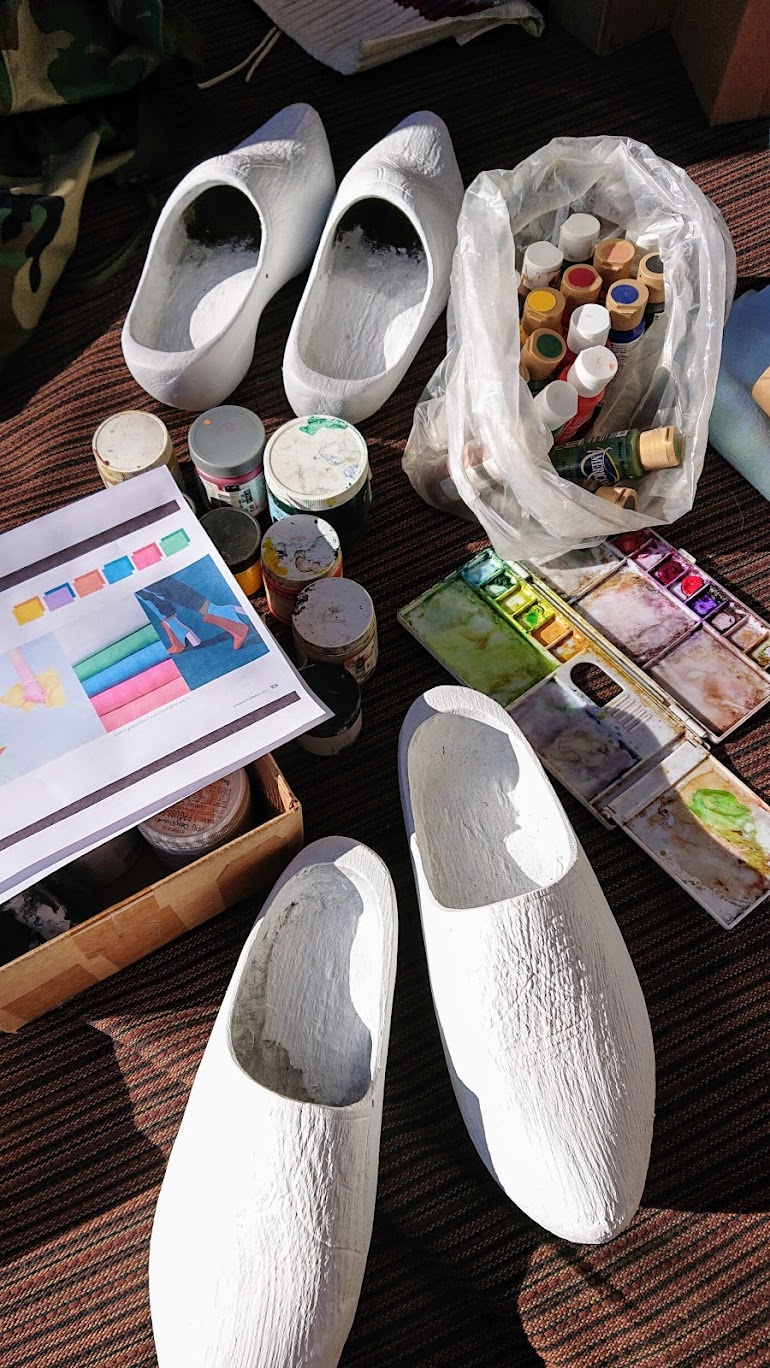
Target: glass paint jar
(339,691)
(236,537)
(201,822)
(131,443)
(296,551)
(334,624)
(226,445)
(320,465)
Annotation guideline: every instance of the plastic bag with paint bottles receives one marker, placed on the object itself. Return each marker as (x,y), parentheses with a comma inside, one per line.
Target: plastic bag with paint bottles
(478,446)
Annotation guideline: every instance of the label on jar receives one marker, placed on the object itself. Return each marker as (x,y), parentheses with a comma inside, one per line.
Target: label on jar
(359,659)
(247,493)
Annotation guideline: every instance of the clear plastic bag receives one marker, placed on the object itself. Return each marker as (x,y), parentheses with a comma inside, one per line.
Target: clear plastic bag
(476,401)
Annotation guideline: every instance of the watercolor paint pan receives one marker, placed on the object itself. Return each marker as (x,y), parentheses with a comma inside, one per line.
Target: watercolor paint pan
(700,823)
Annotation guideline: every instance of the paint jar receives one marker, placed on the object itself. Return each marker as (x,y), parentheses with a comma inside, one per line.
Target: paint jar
(226,445)
(320,465)
(297,551)
(236,537)
(334,624)
(540,267)
(651,275)
(619,456)
(108,862)
(341,692)
(589,326)
(613,259)
(542,353)
(620,495)
(131,443)
(626,301)
(202,822)
(578,237)
(542,309)
(590,373)
(580,285)
(556,404)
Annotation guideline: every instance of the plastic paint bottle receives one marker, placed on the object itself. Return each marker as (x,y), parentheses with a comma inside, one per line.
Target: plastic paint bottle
(540,267)
(590,373)
(620,495)
(556,405)
(578,237)
(236,537)
(619,456)
(226,445)
(626,302)
(542,309)
(542,354)
(318,464)
(651,275)
(580,285)
(589,326)
(613,259)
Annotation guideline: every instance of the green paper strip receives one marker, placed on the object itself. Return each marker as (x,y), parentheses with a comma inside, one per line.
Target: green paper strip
(146,636)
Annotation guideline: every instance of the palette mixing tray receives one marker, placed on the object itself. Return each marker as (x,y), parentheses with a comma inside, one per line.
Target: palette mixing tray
(620,663)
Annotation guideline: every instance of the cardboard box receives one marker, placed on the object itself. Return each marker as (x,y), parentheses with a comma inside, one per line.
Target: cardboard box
(56,971)
(606,25)
(726,51)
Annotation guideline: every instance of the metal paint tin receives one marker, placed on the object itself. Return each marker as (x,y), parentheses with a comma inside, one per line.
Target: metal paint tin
(320,465)
(296,551)
(131,443)
(236,537)
(226,445)
(334,624)
(339,691)
(201,823)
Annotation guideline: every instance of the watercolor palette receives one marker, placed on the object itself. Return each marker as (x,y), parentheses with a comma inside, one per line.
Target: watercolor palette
(618,681)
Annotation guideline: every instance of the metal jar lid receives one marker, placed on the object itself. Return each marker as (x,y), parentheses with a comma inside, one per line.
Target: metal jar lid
(316,462)
(298,549)
(235,535)
(333,614)
(228,440)
(131,442)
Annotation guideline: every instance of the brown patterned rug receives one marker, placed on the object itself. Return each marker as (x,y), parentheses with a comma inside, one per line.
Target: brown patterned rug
(92,1095)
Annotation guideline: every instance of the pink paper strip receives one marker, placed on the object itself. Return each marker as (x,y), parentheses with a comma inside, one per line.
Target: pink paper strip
(141,706)
(136,687)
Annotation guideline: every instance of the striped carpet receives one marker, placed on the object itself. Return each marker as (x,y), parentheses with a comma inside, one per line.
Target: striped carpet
(92,1095)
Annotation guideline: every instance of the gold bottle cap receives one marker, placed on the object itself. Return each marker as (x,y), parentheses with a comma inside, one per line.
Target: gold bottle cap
(581,285)
(613,259)
(620,495)
(660,448)
(761,392)
(627,301)
(542,309)
(650,273)
(543,352)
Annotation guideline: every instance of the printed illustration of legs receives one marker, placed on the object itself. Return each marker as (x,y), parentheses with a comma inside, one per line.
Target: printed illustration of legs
(174,593)
(179,634)
(223,615)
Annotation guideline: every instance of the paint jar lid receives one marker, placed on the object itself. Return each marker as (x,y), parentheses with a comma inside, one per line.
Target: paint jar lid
(557,403)
(541,259)
(589,326)
(591,370)
(300,548)
(132,441)
(333,613)
(202,821)
(660,448)
(340,691)
(578,237)
(228,440)
(651,274)
(542,352)
(316,462)
(626,302)
(620,495)
(235,535)
(581,284)
(543,308)
(613,258)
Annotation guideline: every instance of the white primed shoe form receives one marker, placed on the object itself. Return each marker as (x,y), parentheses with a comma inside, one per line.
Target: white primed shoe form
(265,1213)
(542,1018)
(380,277)
(234,230)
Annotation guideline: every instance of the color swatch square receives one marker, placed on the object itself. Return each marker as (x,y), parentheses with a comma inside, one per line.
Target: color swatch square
(59,597)
(146,555)
(175,541)
(28,611)
(119,569)
(88,583)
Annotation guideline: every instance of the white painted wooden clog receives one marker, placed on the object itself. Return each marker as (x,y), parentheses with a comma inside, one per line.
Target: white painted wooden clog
(264,1217)
(542,1018)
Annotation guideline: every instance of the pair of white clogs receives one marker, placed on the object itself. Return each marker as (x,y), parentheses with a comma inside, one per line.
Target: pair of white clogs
(239,226)
(265,1215)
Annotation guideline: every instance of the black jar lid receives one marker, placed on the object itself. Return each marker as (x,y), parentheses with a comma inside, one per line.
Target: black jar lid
(339,691)
(235,535)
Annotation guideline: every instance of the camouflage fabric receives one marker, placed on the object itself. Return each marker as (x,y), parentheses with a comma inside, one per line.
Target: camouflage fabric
(69,111)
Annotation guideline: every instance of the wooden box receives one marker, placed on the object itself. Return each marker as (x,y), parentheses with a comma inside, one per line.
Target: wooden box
(128,930)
